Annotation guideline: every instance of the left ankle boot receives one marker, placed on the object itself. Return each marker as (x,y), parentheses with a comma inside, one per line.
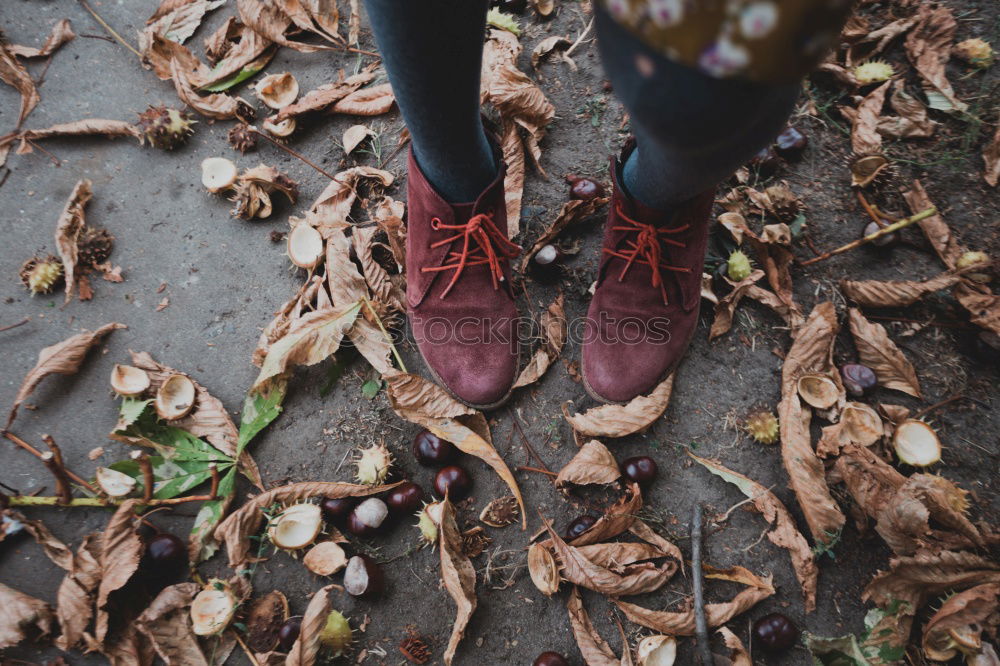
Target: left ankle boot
(645,307)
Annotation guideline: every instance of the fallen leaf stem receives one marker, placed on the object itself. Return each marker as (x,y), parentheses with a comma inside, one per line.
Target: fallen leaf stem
(213,491)
(698,583)
(884,231)
(535,469)
(111,31)
(146,467)
(527,445)
(872,212)
(292,152)
(15,325)
(51,461)
(38,454)
(937,405)
(395,352)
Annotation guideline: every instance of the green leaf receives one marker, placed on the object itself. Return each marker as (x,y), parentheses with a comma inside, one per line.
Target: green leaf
(131,410)
(499,19)
(839,651)
(371,388)
(171,442)
(171,478)
(259,409)
(234,80)
(209,516)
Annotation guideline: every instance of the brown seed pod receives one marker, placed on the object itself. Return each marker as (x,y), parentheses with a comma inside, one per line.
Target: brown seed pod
(166,128)
(543,569)
(94,247)
(414,648)
(872,169)
(264,618)
(243,138)
(501,512)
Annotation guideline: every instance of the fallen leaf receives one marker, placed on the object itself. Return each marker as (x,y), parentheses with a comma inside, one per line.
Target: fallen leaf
(237,528)
(354,135)
(882,36)
(555,45)
(572,211)
(726,307)
(962,616)
(269,20)
(58,552)
(593,464)
(22,617)
(553,336)
(895,293)
(865,139)
(121,551)
(912,121)
(621,420)
(811,351)
(934,227)
(880,353)
(88,127)
(62,33)
(991,159)
(513,181)
(75,599)
(594,649)
(71,222)
(167,624)
(458,576)
(320,17)
(62,358)
(738,654)
(836,651)
(15,75)
(213,105)
(307,646)
(928,46)
(373,101)
(354,23)
(326,95)
(180,22)
(621,516)
(616,555)
(387,294)
(783,532)
(252,194)
(419,401)
(332,207)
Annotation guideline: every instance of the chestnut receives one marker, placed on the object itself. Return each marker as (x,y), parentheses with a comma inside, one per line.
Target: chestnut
(775,632)
(765,162)
(882,241)
(641,469)
(585,188)
(363,577)
(454,482)
(791,143)
(432,451)
(404,499)
(289,633)
(858,379)
(166,556)
(336,510)
(578,527)
(367,517)
(550,659)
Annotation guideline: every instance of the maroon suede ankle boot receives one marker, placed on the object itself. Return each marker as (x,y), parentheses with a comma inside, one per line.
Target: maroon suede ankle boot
(458,291)
(645,307)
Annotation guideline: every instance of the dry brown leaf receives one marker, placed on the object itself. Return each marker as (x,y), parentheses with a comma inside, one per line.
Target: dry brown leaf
(326,95)
(419,401)
(726,307)
(812,351)
(616,555)
(75,599)
(773,251)
(784,533)
(129,649)
(269,20)
(865,139)
(62,32)
(895,293)
(963,616)
(68,229)
(877,350)
(22,617)
(572,211)
(63,358)
(593,464)
(882,36)
(213,105)
(333,206)
(307,646)
(384,290)
(354,23)
(991,159)
(716,614)
(167,624)
(621,516)
(555,45)
(934,227)
(14,74)
(621,420)
(54,549)
(982,304)
(553,336)
(513,181)
(354,135)
(237,528)
(372,101)
(912,121)
(928,47)
(593,648)
(458,576)
(88,127)
(320,17)
(637,578)
(180,22)
(738,655)
(121,550)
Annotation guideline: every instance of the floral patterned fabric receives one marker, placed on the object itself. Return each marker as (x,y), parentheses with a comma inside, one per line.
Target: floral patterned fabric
(761,40)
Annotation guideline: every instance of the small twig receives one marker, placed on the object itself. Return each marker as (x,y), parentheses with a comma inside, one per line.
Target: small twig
(213,492)
(936,405)
(527,444)
(31,500)
(55,160)
(38,454)
(524,468)
(107,27)
(15,325)
(884,231)
(395,352)
(698,582)
(246,650)
(579,40)
(870,210)
(51,461)
(146,467)
(292,152)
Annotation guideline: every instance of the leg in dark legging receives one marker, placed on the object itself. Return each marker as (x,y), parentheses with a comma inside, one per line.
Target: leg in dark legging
(432,50)
(692,130)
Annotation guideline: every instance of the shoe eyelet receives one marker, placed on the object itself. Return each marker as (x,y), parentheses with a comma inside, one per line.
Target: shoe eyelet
(436,223)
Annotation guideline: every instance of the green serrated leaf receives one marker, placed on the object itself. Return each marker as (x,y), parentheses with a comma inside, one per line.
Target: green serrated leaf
(499,19)
(171,478)
(169,441)
(259,409)
(371,388)
(234,80)
(837,651)
(131,410)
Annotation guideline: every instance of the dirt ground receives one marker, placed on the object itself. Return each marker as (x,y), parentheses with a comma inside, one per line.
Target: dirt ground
(225,277)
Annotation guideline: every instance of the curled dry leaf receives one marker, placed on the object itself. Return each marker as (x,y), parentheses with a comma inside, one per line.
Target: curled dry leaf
(62,33)
(572,211)
(213,105)
(270,20)
(88,127)
(959,623)
(554,45)
(812,351)
(621,420)
(264,618)
(419,401)
(944,242)
(54,549)
(75,598)
(386,293)
(991,159)
(928,46)
(22,617)
(237,528)
(354,135)
(14,74)
(373,101)
(543,569)
(167,624)
(726,307)
(553,332)
(180,22)
(682,623)
(327,94)
(738,655)
(880,353)
(912,121)
(333,206)
(593,464)
(783,532)
(615,555)
(458,576)
(63,358)
(620,517)
(121,550)
(71,223)
(307,645)
(895,293)
(865,139)
(595,650)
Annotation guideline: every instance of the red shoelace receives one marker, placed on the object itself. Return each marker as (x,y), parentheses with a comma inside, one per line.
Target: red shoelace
(646,249)
(492,248)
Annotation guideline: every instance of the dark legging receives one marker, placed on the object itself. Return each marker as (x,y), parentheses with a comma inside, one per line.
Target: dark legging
(691,130)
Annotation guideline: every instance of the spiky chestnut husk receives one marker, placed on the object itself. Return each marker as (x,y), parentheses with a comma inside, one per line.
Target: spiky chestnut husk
(427,524)
(41,275)
(763,427)
(977,52)
(165,127)
(336,635)
(872,169)
(873,71)
(242,138)
(95,246)
(738,266)
(373,465)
